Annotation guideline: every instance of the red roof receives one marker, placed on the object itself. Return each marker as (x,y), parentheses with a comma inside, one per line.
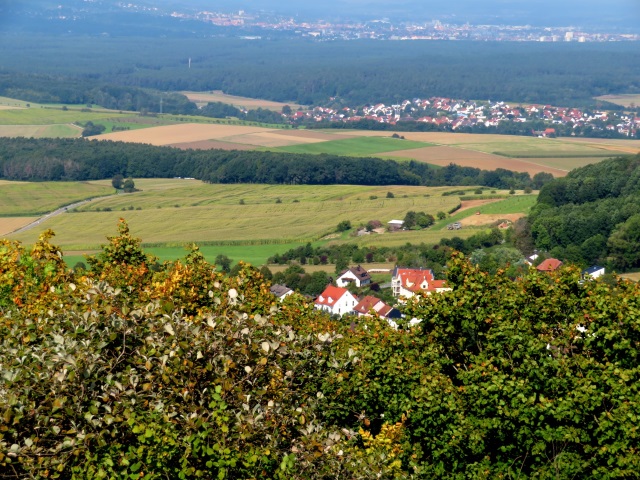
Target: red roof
(330,295)
(549,265)
(412,279)
(367,304)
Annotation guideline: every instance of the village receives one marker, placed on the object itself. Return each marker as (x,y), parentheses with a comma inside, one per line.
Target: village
(464,115)
(338,298)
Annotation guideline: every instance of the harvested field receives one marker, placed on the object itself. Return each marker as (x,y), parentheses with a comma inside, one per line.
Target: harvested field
(10,224)
(172,134)
(8,107)
(270,139)
(488,219)
(211,145)
(202,98)
(443,156)
(623,99)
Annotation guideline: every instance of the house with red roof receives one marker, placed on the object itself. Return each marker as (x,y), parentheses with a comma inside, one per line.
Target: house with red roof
(549,265)
(336,300)
(408,282)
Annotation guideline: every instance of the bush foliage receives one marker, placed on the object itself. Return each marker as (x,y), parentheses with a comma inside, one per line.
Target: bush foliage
(129,371)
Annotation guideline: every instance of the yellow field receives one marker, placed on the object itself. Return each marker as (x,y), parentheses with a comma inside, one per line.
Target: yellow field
(202,98)
(172,134)
(10,224)
(626,100)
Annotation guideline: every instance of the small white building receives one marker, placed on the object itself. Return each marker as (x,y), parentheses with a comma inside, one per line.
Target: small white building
(395,224)
(593,272)
(336,301)
(356,275)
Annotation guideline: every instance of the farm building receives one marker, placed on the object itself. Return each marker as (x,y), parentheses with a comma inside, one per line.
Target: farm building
(394,225)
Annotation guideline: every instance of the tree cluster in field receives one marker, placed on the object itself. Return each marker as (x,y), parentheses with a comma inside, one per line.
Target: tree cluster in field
(434,256)
(352,73)
(183,372)
(590,216)
(78,159)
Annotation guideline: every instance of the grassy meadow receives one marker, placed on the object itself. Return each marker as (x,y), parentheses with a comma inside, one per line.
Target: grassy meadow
(28,199)
(249,222)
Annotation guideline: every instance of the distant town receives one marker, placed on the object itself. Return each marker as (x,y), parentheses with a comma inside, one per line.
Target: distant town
(458,115)
(383,29)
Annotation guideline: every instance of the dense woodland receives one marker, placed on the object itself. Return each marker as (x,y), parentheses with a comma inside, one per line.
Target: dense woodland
(79,159)
(182,372)
(592,215)
(306,72)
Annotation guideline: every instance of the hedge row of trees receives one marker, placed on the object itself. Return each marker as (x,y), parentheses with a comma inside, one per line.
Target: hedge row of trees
(78,159)
(187,373)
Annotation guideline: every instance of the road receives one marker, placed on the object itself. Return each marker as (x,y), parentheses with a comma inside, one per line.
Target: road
(46,217)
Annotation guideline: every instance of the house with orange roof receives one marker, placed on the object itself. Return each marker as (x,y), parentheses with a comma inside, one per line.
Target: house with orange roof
(549,265)
(408,282)
(336,301)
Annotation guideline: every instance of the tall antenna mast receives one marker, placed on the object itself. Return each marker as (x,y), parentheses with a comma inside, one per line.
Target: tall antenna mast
(189,62)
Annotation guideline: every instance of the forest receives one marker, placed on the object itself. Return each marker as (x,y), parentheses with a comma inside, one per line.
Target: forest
(306,72)
(81,159)
(123,371)
(592,215)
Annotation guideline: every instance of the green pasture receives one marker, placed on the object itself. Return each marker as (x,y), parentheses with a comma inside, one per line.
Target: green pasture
(173,212)
(46,116)
(359,146)
(28,199)
(256,255)
(40,131)
(569,163)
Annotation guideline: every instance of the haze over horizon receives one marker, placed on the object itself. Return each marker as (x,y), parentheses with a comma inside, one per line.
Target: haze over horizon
(592,14)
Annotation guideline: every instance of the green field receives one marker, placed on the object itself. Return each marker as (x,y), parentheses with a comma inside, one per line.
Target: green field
(40,131)
(38,115)
(356,147)
(26,199)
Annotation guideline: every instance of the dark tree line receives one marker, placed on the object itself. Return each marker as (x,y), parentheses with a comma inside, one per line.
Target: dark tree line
(356,72)
(592,215)
(79,159)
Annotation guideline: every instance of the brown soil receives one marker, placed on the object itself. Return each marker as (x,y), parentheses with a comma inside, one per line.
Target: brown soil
(488,219)
(10,224)
(443,156)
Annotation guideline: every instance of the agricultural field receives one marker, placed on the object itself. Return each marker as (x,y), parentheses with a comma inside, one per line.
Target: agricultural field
(202,98)
(357,146)
(626,100)
(39,115)
(27,199)
(250,222)
(41,131)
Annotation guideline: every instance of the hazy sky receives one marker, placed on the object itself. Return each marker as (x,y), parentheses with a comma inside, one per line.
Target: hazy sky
(551,12)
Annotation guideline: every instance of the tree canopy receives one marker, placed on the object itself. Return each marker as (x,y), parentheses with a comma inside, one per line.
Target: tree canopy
(183,372)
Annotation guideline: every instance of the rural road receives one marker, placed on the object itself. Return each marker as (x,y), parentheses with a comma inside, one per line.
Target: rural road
(46,217)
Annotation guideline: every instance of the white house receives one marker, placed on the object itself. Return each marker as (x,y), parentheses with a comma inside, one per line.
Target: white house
(356,275)
(281,291)
(395,224)
(592,273)
(336,301)
(407,282)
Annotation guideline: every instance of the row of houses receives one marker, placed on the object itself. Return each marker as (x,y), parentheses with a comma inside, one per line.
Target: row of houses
(457,114)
